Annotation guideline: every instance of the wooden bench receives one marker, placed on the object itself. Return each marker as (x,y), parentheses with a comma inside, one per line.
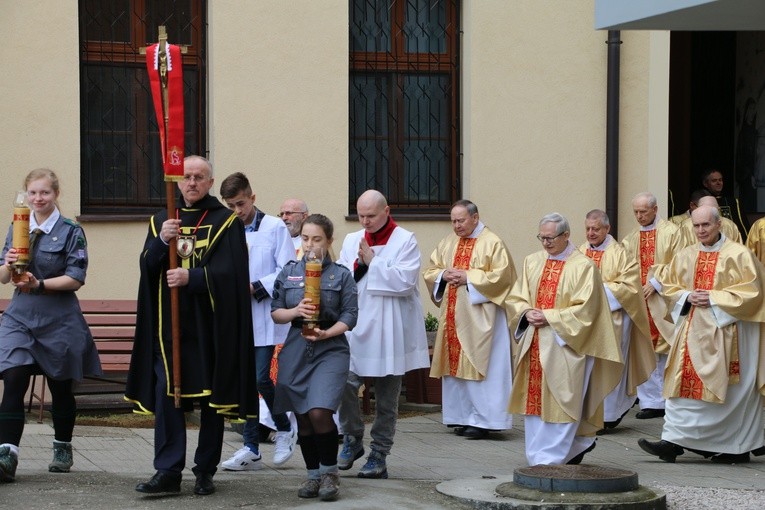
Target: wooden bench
(112,324)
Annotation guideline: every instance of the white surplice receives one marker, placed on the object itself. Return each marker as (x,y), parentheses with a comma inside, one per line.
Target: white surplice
(389,337)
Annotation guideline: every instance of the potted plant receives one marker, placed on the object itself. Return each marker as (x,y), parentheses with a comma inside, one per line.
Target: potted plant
(431,327)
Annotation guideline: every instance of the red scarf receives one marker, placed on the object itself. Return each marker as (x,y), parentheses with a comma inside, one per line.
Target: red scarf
(379,238)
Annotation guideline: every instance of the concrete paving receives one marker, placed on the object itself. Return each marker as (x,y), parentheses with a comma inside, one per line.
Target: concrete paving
(429,467)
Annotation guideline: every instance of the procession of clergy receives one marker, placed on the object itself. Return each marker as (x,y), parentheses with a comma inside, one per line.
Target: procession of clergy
(672,317)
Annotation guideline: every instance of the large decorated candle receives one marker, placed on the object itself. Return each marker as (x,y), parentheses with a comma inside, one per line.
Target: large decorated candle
(313,259)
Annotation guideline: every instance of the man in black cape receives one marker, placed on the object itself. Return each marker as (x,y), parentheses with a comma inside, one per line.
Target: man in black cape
(217,359)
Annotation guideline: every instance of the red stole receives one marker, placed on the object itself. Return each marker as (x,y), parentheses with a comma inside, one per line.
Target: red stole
(548,289)
(704,277)
(647,256)
(461,261)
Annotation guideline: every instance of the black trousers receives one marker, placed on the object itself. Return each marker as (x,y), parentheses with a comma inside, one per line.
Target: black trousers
(170,432)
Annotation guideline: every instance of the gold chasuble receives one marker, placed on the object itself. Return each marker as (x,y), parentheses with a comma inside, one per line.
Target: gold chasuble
(574,303)
(465,330)
(652,249)
(704,356)
(756,239)
(621,274)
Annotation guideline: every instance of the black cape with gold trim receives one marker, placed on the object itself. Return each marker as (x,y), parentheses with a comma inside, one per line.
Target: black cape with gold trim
(215,314)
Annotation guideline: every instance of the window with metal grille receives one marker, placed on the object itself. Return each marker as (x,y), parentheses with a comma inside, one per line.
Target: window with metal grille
(121,162)
(403,103)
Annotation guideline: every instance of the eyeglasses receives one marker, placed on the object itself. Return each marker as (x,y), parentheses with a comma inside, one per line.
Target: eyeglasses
(194,178)
(549,239)
(289,213)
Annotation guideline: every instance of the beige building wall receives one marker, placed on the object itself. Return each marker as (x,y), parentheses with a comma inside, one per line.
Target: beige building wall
(533,97)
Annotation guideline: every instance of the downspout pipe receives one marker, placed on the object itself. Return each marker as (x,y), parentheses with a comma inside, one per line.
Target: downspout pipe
(612,130)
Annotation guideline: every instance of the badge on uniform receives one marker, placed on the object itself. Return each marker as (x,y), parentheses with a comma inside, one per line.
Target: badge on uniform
(186,246)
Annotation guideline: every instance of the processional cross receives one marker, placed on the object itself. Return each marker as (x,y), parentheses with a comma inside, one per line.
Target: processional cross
(164,65)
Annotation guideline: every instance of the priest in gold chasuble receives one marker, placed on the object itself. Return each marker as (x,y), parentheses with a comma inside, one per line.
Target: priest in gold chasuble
(652,245)
(728,228)
(715,375)
(568,357)
(621,281)
(469,276)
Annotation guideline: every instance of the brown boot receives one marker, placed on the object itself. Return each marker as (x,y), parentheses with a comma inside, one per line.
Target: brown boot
(329,486)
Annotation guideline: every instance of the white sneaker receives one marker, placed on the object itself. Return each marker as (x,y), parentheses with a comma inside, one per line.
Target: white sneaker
(243,460)
(285,446)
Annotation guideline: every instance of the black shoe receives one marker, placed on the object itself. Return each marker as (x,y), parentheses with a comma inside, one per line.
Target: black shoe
(460,430)
(204,485)
(665,450)
(759,451)
(609,426)
(577,459)
(703,453)
(731,458)
(475,433)
(161,483)
(647,414)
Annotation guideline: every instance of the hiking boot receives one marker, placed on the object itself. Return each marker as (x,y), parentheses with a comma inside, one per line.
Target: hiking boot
(329,486)
(8,463)
(62,457)
(309,488)
(353,449)
(243,460)
(375,466)
(285,446)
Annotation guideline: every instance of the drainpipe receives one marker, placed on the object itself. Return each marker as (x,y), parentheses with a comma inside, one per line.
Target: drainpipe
(612,131)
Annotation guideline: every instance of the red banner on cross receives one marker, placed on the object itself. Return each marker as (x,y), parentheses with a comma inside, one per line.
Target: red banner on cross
(169,108)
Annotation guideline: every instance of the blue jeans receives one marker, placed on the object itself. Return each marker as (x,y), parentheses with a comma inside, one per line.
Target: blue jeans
(251,430)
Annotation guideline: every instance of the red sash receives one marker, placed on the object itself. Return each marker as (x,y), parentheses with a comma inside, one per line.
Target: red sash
(647,256)
(690,383)
(548,289)
(170,140)
(451,340)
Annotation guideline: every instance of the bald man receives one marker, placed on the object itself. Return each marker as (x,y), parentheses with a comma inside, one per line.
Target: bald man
(693,203)
(716,367)
(727,227)
(389,338)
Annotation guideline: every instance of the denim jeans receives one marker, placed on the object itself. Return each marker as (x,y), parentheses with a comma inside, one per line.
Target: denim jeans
(251,431)
(387,390)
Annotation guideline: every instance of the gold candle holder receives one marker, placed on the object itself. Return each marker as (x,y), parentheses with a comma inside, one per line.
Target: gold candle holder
(20,240)
(313,259)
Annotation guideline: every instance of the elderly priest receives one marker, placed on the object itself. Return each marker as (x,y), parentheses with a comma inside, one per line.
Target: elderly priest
(715,374)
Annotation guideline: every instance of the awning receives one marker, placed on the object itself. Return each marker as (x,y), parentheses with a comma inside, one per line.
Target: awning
(680,15)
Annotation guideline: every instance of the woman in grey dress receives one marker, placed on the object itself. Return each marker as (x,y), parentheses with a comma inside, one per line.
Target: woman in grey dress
(43,330)
(313,369)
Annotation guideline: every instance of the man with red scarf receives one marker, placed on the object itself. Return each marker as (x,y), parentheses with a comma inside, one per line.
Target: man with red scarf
(389,338)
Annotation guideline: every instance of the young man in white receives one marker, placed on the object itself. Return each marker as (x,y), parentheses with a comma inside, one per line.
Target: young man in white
(270,247)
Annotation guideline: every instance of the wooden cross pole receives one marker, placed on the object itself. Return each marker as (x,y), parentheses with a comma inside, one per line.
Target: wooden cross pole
(162,51)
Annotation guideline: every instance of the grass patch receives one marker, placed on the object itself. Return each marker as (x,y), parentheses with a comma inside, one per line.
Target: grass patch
(124,420)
